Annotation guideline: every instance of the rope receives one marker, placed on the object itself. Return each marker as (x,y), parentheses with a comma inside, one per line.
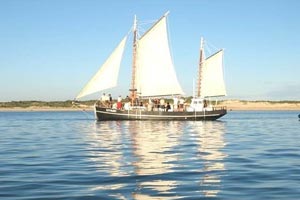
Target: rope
(88,115)
(77,105)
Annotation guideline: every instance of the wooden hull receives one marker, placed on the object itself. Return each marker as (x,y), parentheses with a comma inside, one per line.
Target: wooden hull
(104,114)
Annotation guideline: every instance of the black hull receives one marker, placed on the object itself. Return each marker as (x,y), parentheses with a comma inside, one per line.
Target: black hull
(105,114)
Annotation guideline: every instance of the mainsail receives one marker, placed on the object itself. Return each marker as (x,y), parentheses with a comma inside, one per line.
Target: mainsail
(107,76)
(212,81)
(155,75)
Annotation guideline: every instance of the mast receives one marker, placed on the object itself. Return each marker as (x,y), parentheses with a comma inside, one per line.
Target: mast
(133,77)
(201,60)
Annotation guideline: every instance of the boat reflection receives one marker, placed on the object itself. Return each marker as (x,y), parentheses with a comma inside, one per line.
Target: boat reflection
(210,146)
(106,146)
(158,160)
(153,144)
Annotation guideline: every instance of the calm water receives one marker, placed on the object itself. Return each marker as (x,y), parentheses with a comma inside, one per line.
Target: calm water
(67,155)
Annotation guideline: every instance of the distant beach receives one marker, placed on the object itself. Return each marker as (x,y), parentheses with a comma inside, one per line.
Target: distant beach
(261,105)
(46,109)
(230,104)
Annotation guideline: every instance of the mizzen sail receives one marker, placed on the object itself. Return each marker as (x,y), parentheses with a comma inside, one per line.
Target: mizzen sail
(212,81)
(155,71)
(107,76)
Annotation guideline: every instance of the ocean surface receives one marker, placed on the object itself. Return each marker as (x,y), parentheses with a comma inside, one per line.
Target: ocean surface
(68,155)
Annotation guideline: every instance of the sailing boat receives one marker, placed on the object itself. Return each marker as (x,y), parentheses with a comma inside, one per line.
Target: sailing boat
(153,77)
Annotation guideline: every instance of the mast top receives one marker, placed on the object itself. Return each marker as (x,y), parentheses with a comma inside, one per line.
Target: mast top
(134,23)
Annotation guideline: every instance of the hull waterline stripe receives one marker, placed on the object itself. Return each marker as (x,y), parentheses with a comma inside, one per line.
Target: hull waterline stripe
(156,116)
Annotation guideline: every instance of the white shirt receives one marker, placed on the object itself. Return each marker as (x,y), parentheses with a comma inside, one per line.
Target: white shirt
(119,99)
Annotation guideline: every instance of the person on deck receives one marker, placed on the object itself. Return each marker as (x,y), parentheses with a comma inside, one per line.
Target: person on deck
(181,103)
(162,103)
(175,103)
(103,97)
(150,104)
(205,103)
(110,100)
(168,107)
(102,101)
(119,103)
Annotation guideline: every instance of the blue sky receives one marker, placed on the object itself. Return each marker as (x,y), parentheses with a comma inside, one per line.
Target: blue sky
(49,49)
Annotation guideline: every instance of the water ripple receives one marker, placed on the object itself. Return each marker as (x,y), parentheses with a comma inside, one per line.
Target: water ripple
(64,155)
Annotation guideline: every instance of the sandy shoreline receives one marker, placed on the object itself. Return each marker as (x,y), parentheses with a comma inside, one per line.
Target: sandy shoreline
(230,104)
(45,109)
(263,105)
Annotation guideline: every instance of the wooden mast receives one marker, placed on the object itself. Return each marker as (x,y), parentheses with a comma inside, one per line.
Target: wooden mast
(200,68)
(133,77)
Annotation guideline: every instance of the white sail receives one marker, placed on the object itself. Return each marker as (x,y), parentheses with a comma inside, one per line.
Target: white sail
(212,81)
(155,71)
(107,76)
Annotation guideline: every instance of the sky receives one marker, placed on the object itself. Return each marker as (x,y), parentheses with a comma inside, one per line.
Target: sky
(49,49)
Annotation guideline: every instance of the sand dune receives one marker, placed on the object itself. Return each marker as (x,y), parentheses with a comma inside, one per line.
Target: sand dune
(230,104)
(260,105)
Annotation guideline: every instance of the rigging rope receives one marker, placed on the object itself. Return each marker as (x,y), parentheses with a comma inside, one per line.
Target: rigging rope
(77,105)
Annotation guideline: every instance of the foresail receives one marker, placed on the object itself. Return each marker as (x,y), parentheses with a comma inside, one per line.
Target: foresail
(212,80)
(107,76)
(155,71)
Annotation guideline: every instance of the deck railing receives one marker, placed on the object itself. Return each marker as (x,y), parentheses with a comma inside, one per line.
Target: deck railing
(220,108)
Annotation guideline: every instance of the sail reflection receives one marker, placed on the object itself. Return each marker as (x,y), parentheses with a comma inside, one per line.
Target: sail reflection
(210,145)
(152,144)
(106,148)
(157,160)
